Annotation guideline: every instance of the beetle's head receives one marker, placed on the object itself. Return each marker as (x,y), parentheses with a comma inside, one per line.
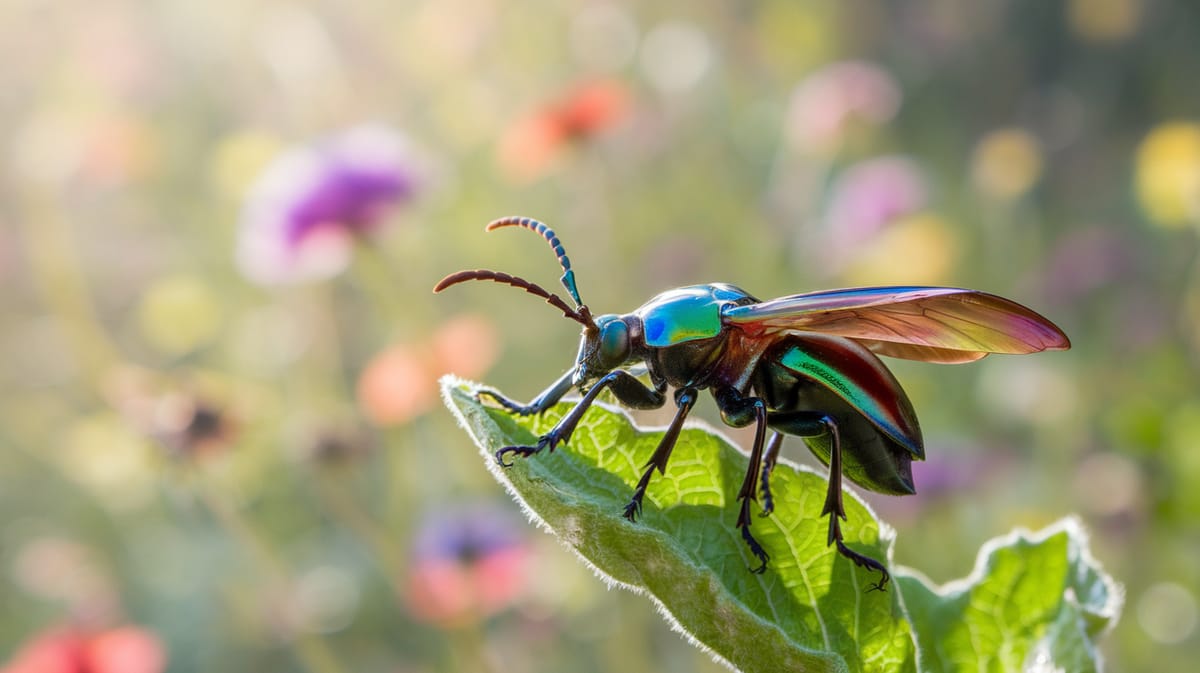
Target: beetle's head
(602,348)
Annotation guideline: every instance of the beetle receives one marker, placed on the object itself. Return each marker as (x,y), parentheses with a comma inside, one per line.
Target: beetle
(805,365)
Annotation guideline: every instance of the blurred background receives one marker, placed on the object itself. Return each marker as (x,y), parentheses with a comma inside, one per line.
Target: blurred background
(221,446)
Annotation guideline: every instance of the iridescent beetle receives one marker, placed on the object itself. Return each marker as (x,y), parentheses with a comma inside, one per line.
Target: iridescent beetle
(801,365)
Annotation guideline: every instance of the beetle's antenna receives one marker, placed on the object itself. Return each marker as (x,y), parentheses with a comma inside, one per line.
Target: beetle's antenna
(568,277)
(554,300)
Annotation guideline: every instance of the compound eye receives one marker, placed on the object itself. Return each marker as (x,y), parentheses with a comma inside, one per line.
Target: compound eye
(614,343)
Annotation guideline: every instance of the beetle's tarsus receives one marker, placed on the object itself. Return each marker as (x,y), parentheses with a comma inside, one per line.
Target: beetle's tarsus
(768,502)
(868,563)
(743,522)
(523,451)
(770,455)
(756,549)
(634,509)
(514,407)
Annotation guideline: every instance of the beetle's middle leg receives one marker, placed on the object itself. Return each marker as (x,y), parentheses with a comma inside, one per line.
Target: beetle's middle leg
(738,410)
(768,466)
(685,399)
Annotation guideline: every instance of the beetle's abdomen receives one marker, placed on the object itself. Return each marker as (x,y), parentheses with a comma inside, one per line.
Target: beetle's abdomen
(837,377)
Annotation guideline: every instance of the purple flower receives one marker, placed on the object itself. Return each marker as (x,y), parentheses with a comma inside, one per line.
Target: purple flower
(469,562)
(306,210)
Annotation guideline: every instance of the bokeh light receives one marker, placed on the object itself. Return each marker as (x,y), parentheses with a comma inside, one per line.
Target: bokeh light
(221,443)
(1168,174)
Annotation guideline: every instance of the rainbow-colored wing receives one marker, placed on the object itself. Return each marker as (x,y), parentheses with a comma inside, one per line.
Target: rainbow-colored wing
(931,324)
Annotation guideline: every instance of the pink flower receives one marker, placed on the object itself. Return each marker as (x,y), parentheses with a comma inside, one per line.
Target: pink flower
(827,101)
(306,210)
(128,649)
(870,195)
(469,562)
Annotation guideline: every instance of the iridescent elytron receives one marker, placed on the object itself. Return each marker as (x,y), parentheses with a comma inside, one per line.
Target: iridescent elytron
(803,365)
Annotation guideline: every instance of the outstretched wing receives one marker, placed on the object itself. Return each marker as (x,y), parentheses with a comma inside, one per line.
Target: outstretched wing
(932,324)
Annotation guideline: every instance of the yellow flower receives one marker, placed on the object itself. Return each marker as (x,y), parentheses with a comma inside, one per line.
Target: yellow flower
(239,159)
(1168,174)
(921,249)
(1104,20)
(179,314)
(1006,163)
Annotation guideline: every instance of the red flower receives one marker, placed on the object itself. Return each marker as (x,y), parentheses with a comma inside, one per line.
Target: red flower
(533,143)
(128,649)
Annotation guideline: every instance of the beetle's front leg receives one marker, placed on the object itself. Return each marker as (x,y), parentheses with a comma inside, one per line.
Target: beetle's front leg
(685,399)
(546,399)
(628,390)
(738,411)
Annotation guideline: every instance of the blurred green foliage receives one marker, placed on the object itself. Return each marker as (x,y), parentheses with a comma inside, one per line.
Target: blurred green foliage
(186,451)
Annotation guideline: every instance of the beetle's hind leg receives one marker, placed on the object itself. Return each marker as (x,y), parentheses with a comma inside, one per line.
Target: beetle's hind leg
(836,511)
(685,398)
(816,424)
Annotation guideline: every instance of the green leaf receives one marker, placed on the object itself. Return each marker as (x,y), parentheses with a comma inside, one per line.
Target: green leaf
(1034,602)
(810,611)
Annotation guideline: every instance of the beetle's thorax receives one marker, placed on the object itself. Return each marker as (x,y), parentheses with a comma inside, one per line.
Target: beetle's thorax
(678,335)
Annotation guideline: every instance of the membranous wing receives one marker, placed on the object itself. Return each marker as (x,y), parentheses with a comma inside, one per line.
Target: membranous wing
(931,324)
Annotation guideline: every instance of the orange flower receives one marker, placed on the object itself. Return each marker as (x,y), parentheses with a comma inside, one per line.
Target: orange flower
(400,383)
(397,385)
(466,345)
(532,144)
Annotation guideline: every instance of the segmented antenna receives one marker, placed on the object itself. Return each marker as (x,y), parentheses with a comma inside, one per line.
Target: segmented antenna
(568,277)
(581,317)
